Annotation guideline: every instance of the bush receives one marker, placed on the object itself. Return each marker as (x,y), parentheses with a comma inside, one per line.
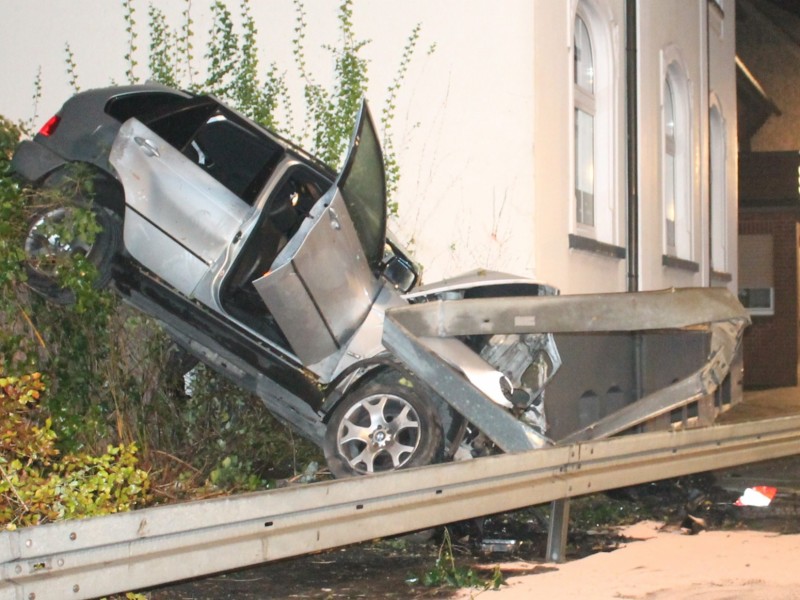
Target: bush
(38,485)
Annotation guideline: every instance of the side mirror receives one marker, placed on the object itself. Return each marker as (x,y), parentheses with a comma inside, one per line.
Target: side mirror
(400,273)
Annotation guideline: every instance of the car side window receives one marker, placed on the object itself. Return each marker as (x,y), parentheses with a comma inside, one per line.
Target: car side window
(147,105)
(235,155)
(177,127)
(233,152)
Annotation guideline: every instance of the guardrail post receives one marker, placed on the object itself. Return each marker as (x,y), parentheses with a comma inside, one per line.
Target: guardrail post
(557,532)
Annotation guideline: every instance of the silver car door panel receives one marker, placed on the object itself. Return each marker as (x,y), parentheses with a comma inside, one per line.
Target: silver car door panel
(365,343)
(181,268)
(177,198)
(208,290)
(320,287)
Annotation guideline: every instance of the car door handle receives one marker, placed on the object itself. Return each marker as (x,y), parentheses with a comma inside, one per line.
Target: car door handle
(147,146)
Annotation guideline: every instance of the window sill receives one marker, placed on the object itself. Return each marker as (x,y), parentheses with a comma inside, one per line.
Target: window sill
(579,242)
(721,276)
(673,262)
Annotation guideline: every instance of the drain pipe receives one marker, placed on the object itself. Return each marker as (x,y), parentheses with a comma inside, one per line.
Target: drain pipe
(632,156)
(631,110)
(709,149)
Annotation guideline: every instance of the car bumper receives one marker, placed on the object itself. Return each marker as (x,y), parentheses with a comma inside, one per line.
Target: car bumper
(32,161)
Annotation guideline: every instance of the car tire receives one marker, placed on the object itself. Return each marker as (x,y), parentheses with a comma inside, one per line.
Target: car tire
(383,425)
(41,250)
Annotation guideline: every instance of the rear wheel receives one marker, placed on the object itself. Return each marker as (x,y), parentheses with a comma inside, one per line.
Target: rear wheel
(49,244)
(383,426)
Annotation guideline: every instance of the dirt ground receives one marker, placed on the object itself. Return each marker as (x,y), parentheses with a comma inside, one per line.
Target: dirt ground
(658,564)
(700,546)
(751,556)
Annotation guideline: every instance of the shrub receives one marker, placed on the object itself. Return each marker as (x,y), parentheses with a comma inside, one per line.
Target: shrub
(38,485)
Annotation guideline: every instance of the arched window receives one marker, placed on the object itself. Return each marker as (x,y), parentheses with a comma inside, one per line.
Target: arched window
(596,142)
(718,192)
(670,174)
(677,189)
(583,60)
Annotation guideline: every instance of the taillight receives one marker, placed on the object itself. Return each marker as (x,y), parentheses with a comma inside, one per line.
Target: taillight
(50,127)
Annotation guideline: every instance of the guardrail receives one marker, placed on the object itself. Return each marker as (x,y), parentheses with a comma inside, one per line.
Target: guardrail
(103,555)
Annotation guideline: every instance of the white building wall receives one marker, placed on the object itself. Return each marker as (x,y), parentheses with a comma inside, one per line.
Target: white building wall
(722,46)
(484,127)
(467,185)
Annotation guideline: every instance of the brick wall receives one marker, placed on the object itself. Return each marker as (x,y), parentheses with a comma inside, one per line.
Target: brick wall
(771,343)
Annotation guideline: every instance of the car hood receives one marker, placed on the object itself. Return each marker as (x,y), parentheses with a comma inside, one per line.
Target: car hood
(479,279)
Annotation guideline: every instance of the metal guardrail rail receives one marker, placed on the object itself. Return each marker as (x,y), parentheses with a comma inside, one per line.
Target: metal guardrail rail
(98,556)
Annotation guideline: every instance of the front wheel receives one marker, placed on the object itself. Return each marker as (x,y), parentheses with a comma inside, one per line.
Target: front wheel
(382,426)
(49,243)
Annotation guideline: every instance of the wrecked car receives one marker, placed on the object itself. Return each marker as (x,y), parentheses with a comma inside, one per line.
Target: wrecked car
(265,264)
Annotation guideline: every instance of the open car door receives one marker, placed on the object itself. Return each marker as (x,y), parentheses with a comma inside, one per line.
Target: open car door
(324,282)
